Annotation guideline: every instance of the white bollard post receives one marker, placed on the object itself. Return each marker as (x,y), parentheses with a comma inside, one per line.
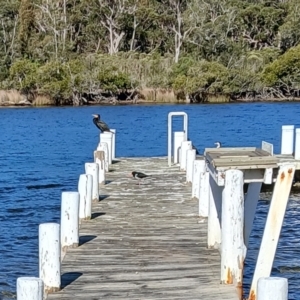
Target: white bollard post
(85,187)
(233,250)
(191,156)
(272,288)
(214,214)
(49,256)
(204,192)
(69,220)
(103,147)
(179,137)
(93,169)
(196,178)
(106,137)
(185,146)
(113,147)
(297,144)
(287,139)
(30,288)
(99,158)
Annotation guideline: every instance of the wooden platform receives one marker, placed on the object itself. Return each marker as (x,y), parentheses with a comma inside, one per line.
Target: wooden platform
(144,242)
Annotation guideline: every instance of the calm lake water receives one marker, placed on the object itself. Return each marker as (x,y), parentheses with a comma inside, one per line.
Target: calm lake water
(43,151)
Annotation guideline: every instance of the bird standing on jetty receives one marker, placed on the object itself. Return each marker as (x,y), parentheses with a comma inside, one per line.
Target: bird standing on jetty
(218,144)
(100,124)
(138,175)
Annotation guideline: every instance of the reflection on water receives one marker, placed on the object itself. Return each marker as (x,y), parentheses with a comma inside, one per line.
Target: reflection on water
(43,151)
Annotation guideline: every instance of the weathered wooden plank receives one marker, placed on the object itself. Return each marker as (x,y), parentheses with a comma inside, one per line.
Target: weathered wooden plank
(144,242)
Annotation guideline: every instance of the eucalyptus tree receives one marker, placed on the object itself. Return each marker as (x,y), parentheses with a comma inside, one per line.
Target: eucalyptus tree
(9,20)
(213,32)
(257,22)
(289,31)
(51,22)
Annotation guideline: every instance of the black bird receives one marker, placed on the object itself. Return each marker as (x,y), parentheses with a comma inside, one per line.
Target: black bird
(197,152)
(100,124)
(193,147)
(138,175)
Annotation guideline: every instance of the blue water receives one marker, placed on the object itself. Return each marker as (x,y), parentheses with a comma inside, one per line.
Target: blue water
(43,151)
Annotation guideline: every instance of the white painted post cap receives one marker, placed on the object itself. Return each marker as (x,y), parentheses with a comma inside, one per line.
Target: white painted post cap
(272,288)
(30,288)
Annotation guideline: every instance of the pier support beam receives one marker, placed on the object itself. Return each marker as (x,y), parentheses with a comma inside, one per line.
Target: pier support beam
(93,169)
(99,158)
(179,137)
(205,191)
(214,214)
(30,288)
(69,218)
(272,288)
(287,139)
(85,187)
(251,199)
(49,256)
(191,156)
(233,250)
(103,147)
(196,178)
(185,146)
(106,137)
(273,225)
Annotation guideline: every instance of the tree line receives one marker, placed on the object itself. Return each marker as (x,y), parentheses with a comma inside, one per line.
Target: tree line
(75,52)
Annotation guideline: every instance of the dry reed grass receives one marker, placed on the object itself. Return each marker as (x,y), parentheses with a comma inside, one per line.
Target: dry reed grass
(217,98)
(12,97)
(43,100)
(159,95)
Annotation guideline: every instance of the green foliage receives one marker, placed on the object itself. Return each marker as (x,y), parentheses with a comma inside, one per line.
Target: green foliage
(23,74)
(113,81)
(202,76)
(284,71)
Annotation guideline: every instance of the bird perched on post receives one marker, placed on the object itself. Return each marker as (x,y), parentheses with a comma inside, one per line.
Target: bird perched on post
(218,144)
(193,147)
(138,175)
(100,124)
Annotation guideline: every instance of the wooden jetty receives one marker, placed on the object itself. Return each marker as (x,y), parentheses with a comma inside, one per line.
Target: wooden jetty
(183,233)
(144,241)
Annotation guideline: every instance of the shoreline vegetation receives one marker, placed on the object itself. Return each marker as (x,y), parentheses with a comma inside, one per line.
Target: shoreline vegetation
(91,52)
(13,98)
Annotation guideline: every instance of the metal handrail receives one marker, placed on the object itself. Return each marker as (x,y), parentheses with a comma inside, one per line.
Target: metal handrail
(185,129)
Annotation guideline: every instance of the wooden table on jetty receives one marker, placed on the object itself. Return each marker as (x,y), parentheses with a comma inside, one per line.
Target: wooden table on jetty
(143,242)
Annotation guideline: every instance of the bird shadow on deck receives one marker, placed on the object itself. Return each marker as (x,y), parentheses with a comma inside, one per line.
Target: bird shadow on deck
(68,278)
(103,197)
(108,181)
(97,214)
(85,239)
(115,161)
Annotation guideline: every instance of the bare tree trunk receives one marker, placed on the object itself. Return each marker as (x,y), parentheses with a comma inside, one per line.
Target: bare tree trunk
(178,36)
(65,24)
(135,25)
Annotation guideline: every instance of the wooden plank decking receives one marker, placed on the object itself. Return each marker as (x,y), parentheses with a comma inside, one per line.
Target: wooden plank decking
(144,242)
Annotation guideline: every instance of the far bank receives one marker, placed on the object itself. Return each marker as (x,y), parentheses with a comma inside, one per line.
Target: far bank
(11,98)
